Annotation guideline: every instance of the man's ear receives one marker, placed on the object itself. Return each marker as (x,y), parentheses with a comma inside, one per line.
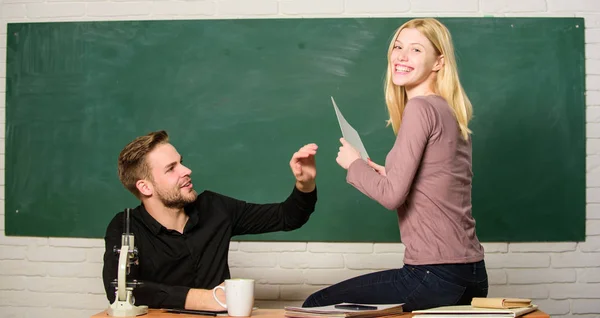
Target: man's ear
(439,63)
(145,187)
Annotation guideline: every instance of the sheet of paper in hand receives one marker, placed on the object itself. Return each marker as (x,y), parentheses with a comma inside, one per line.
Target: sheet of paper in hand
(350,133)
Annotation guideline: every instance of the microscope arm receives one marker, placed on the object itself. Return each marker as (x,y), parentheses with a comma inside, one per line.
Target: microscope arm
(122,273)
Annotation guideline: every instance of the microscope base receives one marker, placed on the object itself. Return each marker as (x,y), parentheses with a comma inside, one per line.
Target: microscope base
(126,309)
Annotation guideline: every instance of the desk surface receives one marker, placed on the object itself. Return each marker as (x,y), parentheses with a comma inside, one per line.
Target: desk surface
(269,313)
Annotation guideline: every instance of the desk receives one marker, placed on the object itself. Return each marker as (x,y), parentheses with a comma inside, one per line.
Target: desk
(269,313)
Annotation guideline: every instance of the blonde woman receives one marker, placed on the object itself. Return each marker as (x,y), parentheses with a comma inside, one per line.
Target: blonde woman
(426,179)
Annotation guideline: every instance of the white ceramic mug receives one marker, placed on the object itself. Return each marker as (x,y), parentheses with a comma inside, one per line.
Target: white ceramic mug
(239,296)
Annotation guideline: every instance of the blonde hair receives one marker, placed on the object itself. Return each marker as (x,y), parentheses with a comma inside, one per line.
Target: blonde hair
(447,83)
(132,165)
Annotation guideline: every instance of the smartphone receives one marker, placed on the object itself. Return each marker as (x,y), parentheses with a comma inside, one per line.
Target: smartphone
(355,307)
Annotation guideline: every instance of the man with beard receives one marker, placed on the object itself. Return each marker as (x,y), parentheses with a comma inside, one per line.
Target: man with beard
(182,237)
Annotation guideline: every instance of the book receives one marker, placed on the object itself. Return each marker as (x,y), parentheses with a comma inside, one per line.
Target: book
(332,312)
(473,312)
(500,302)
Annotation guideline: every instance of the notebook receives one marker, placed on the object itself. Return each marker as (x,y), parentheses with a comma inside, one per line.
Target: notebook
(472,312)
(330,311)
(500,302)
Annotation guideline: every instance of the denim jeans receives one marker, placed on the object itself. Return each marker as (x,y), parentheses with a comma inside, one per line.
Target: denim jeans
(417,286)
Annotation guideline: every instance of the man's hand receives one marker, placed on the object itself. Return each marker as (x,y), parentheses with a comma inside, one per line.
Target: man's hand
(304,168)
(202,299)
(347,154)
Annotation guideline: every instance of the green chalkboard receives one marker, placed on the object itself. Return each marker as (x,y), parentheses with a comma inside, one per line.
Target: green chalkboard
(238,97)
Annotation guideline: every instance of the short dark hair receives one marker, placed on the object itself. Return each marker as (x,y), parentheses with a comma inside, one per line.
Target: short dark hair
(132,165)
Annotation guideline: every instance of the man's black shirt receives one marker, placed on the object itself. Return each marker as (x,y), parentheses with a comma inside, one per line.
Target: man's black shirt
(170,263)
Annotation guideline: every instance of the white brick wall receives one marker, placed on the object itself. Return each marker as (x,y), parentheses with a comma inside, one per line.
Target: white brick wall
(52,277)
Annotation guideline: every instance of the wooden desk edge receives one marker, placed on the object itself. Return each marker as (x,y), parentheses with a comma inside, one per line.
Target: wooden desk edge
(271,313)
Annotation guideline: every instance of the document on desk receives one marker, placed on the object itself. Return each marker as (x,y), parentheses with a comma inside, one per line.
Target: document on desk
(349,133)
(467,311)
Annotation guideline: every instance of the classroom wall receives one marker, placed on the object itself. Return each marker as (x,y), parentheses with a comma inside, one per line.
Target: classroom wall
(53,277)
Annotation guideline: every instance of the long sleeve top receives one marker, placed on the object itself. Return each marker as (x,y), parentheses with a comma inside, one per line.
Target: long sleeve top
(428,183)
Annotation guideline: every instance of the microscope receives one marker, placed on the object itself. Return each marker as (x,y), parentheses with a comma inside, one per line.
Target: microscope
(128,255)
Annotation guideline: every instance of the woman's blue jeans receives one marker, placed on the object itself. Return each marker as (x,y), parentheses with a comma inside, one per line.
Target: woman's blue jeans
(417,286)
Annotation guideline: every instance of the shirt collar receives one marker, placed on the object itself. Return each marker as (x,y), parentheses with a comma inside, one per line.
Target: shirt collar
(192,212)
(155,226)
(149,221)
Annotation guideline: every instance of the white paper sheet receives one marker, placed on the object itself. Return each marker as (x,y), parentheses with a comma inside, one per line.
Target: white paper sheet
(350,133)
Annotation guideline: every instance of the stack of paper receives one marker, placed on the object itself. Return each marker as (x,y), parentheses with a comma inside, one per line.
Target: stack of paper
(472,312)
(331,311)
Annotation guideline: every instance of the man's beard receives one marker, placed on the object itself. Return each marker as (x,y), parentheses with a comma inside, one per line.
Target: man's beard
(174,199)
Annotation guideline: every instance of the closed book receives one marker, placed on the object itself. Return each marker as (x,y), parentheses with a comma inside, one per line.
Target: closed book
(374,310)
(500,302)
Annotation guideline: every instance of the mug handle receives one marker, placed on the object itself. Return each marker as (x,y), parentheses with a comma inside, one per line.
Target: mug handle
(214,292)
